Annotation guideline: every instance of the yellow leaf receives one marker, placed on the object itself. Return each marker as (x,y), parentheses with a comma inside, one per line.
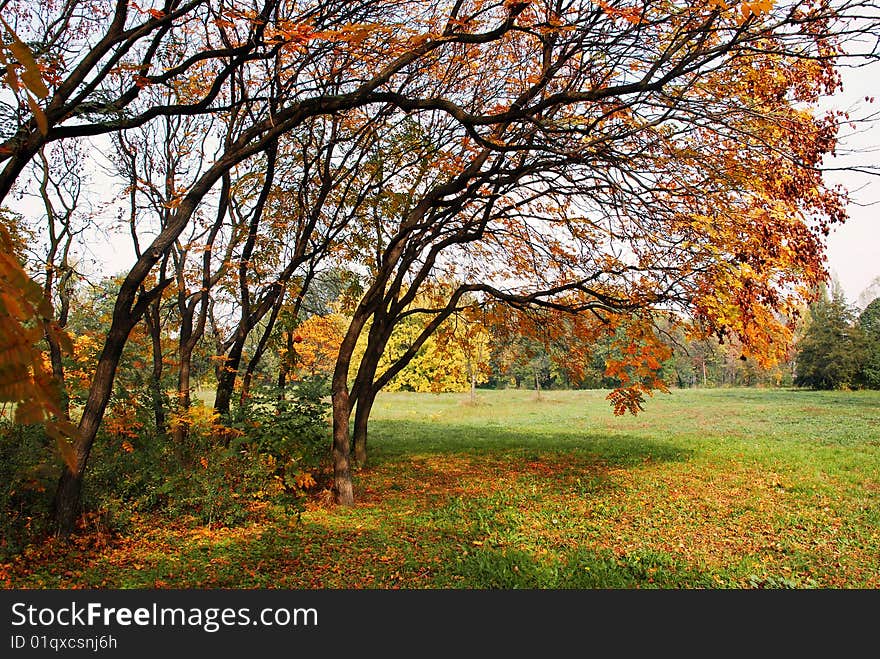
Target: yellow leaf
(31,75)
(39,115)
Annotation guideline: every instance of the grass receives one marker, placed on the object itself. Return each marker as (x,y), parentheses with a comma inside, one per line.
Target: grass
(735,488)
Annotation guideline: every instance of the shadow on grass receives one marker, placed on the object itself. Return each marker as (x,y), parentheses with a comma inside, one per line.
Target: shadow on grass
(389,440)
(579,569)
(451,506)
(312,556)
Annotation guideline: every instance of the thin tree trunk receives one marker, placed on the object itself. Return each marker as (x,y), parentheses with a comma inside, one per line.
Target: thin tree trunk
(366,398)
(284,368)
(154,328)
(228,374)
(260,350)
(184,401)
(55,358)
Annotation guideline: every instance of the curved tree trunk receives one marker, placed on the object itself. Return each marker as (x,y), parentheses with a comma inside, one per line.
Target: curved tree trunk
(67,501)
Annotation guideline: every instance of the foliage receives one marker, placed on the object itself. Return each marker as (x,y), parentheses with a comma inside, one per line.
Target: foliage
(28,470)
(832,349)
(273,453)
(22,74)
(318,342)
(869,323)
(25,377)
(25,314)
(290,430)
(445,362)
(279,464)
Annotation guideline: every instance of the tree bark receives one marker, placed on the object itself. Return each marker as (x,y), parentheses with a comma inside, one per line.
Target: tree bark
(154,329)
(342,484)
(343,488)
(285,366)
(181,429)
(67,501)
(365,400)
(228,374)
(260,350)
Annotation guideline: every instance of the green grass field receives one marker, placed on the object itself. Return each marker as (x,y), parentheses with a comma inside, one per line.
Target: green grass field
(739,488)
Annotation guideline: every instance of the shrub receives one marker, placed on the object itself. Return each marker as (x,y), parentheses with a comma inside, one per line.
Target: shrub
(29,471)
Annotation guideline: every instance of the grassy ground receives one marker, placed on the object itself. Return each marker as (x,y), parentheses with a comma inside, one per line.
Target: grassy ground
(706,489)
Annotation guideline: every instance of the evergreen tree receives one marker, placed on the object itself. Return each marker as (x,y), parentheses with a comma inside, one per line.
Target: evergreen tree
(869,322)
(832,351)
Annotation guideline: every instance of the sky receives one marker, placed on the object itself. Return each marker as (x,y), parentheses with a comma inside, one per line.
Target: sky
(854,247)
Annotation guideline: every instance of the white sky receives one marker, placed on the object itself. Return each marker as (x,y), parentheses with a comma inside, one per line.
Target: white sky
(854,247)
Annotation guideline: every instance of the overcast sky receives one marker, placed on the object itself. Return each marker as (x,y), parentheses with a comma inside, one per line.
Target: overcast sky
(854,247)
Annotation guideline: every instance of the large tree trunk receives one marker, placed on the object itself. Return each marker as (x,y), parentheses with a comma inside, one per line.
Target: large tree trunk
(342,485)
(67,501)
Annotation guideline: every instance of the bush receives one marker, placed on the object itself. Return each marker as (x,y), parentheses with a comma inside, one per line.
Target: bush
(29,471)
(273,454)
(273,451)
(292,430)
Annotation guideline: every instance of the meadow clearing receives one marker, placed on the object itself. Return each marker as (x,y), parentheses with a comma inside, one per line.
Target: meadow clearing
(711,488)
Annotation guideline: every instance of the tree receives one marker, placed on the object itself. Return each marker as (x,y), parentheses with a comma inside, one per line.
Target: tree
(869,322)
(832,349)
(453,359)
(636,183)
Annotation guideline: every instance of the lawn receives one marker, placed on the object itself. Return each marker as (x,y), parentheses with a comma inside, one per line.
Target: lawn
(728,488)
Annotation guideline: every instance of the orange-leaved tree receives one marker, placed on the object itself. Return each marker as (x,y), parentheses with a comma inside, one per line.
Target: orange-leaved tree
(26,316)
(625,158)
